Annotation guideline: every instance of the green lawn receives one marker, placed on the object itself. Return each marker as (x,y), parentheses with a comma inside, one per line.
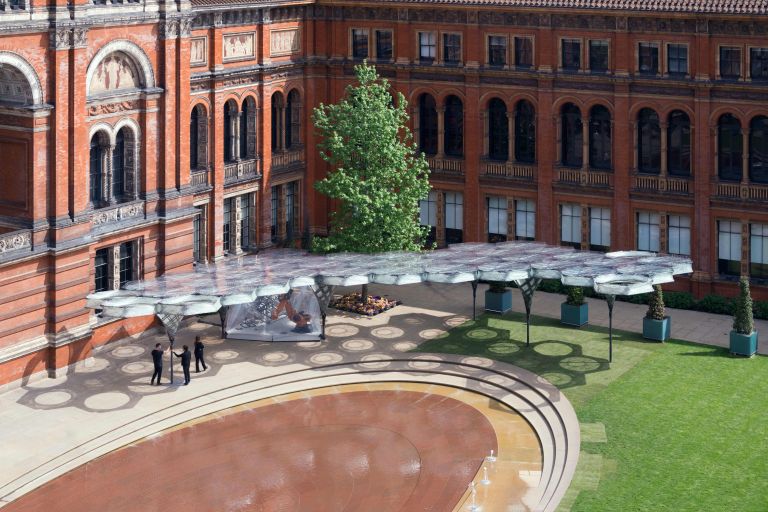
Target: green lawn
(686,425)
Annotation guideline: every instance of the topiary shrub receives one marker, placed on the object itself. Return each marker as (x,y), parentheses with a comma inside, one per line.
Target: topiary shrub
(656,304)
(743,321)
(575,296)
(497,287)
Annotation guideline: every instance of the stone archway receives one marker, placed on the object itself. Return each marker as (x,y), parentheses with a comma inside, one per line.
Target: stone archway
(120,65)
(19,84)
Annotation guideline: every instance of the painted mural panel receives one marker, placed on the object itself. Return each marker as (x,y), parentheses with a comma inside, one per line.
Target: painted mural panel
(239,46)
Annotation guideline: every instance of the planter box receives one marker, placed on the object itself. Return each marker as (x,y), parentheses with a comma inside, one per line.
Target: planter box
(498,302)
(659,330)
(743,344)
(576,316)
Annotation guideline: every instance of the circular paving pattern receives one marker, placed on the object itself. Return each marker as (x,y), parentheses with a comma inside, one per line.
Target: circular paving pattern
(341,330)
(404,346)
(106,401)
(357,345)
(274,357)
(387,332)
(430,334)
(53,398)
(375,361)
(225,355)
(456,321)
(93,364)
(128,351)
(137,368)
(326,358)
(553,348)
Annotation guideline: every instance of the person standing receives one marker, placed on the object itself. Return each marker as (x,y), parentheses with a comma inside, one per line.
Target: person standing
(157,359)
(199,355)
(186,360)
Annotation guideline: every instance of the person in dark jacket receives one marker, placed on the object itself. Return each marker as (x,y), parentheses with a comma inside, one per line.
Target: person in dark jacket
(199,355)
(157,359)
(186,360)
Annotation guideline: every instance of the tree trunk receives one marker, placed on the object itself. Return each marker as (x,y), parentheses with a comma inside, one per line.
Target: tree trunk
(364,294)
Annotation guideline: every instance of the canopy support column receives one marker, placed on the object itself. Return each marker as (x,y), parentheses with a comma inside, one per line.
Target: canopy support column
(527,288)
(323,293)
(223,317)
(610,299)
(474,297)
(171,322)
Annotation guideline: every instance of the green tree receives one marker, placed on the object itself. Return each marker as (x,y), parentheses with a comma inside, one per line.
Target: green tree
(743,321)
(656,308)
(377,173)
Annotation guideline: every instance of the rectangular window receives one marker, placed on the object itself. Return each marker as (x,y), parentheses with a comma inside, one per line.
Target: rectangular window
(648,58)
(648,231)
(677,59)
(758,63)
(758,251)
(245,221)
(126,263)
(525,219)
(497,219)
(570,225)
(451,48)
(197,235)
(730,62)
(497,50)
(359,43)
(729,247)
(226,230)
(274,207)
(290,213)
(599,229)
(523,52)
(598,56)
(454,217)
(384,44)
(679,227)
(101,273)
(571,54)
(428,215)
(427,46)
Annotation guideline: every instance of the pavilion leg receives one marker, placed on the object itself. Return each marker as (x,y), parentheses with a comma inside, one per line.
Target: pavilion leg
(323,293)
(171,324)
(527,288)
(474,298)
(223,317)
(322,332)
(610,299)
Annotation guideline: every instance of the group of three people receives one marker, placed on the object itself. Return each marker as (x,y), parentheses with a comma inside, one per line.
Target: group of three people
(186,360)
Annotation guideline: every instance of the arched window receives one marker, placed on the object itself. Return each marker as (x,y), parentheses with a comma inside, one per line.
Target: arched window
(198,138)
(230,131)
(427,124)
(498,130)
(599,138)
(758,149)
(525,132)
(454,126)
(96,170)
(277,121)
(293,120)
(118,166)
(648,142)
(248,129)
(729,148)
(571,136)
(679,144)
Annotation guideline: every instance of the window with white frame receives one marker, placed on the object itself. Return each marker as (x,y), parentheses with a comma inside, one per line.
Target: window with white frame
(758,251)
(116,265)
(454,217)
(525,219)
(599,229)
(679,234)
(570,225)
(497,219)
(427,46)
(359,43)
(428,215)
(729,247)
(648,231)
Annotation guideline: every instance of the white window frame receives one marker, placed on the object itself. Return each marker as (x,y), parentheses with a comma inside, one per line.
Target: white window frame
(648,233)
(497,215)
(600,226)
(434,44)
(428,210)
(570,223)
(679,234)
(454,210)
(525,218)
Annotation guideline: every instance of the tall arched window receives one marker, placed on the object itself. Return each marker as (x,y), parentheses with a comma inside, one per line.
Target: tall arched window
(230,131)
(96,170)
(679,144)
(454,126)
(277,121)
(293,120)
(248,129)
(571,136)
(118,166)
(648,142)
(729,148)
(198,138)
(498,130)
(427,124)
(525,132)
(758,149)
(599,138)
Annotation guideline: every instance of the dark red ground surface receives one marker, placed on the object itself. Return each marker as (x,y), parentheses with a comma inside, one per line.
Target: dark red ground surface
(375,451)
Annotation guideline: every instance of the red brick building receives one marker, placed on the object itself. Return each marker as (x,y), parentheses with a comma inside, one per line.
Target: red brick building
(139,136)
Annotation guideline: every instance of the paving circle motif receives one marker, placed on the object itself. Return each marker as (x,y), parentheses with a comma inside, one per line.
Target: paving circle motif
(556,378)
(326,358)
(553,348)
(225,355)
(53,398)
(107,401)
(309,344)
(431,334)
(128,351)
(274,357)
(404,346)
(412,320)
(95,364)
(45,383)
(357,345)
(503,348)
(478,361)
(137,367)
(341,330)
(580,364)
(456,321)
(387,332)
(375,361)
(481,334)
(496,381)
(425,362)
(215,340)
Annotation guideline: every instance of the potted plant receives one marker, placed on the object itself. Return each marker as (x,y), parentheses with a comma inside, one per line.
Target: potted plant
(574,311)
(656,325)
(498,298)
(743,336)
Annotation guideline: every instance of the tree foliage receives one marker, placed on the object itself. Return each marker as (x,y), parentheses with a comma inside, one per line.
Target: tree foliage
(656,308)
(743,321)
(575,296)
(377,173)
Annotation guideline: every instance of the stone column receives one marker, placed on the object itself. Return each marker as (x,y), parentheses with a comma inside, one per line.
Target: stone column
(744,247)
(281,125)
(237,120)
(585,142)
(745,156)
(511,220)
(106,175)
(113,267)
(441,132)
(485,120)
(236,235)
(511,136)
(663,232)
(584,227)
(663,127)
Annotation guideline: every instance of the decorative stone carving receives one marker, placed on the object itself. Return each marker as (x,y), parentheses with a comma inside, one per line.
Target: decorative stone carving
(169,29)
(112,108)
(14,241)
(80,37)
(119,213)
(239,46)
(61,38)
(241,80)
(185,27)
(198,51)
(115,72)
(284,42)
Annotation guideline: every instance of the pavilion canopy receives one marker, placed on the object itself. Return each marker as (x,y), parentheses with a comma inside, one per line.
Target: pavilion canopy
(240,280)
